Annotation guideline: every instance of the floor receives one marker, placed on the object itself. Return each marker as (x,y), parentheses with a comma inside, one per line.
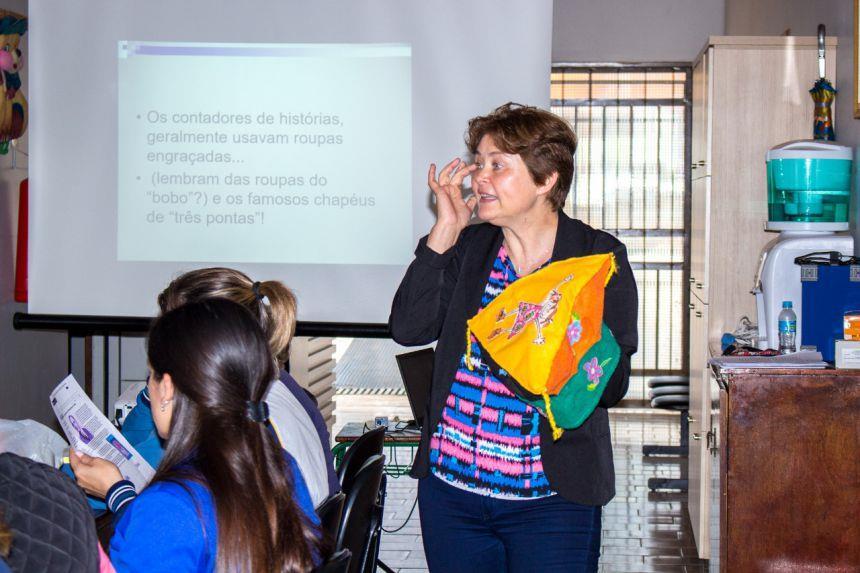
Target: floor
(642,531)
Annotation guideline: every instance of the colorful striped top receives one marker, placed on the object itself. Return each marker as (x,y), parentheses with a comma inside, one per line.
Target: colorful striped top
(488,440)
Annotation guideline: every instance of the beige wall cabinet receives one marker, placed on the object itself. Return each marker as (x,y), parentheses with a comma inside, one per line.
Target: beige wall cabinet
(749,94)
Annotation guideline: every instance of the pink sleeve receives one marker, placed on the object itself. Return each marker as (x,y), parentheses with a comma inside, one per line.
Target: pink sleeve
(105,565)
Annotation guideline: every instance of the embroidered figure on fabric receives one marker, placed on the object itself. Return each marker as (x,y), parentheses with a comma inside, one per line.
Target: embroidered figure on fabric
(594,370)
(574,330)
(541,314)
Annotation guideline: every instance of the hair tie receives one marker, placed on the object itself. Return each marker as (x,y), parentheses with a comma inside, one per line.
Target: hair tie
(257,295)
(257,411)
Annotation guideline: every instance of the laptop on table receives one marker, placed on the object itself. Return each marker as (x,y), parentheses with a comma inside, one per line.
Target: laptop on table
(416,370)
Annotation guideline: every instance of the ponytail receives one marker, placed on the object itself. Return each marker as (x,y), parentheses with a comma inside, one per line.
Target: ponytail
(277,311)
(272,303)
(219,361)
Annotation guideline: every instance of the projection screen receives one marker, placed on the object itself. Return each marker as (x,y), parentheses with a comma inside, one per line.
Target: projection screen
(287,139)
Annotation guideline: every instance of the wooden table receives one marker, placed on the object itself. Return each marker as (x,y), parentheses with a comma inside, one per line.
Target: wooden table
(789,470)
(396,438)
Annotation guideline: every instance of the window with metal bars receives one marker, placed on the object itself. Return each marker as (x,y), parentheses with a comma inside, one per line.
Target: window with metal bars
(631,179)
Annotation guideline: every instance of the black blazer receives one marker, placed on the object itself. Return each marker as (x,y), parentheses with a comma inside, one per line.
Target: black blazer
(441,291)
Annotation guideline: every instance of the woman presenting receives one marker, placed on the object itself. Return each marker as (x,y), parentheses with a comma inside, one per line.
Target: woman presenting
(496,491)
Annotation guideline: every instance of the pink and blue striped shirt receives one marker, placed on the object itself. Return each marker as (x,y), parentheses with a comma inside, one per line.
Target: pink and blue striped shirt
(488,440)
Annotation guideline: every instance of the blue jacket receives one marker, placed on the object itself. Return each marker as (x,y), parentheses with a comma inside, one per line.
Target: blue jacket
(163,531)
(139,429)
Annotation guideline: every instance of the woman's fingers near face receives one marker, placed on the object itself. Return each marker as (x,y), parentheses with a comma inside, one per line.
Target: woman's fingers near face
(448,171)
(431,175)
(461,174)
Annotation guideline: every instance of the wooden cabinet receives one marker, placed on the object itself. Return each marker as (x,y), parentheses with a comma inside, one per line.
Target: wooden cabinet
(701,148)
(749,94)
(789,471)
(700,237)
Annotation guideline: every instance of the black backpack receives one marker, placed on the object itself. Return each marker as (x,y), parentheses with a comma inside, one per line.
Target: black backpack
(53,530)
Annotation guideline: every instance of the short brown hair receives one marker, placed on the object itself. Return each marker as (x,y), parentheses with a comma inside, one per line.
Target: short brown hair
(545,141)
(272,303)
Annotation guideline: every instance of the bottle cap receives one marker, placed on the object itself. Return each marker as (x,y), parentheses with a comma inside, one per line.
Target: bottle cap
(786,304)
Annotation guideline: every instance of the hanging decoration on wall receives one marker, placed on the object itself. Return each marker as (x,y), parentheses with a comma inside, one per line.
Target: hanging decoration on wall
(823,94)
(13,104)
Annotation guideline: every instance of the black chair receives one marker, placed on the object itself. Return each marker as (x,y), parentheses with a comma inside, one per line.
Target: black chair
(330,512)
(657,381)
(368,445)
(373,561)
(337,563)
(670,393)
(360,514)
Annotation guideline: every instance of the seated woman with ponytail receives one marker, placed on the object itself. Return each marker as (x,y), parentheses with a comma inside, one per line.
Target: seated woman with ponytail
(222,497)
(294,414)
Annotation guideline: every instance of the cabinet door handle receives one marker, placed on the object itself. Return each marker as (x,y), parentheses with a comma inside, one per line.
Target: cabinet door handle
(693,166)
(698,314)
(690,419)
(692,280)
(692,306)
(702,162)
(696,436)
(699,286)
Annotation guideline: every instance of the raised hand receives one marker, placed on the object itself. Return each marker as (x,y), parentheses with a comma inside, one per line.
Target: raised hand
(452,211)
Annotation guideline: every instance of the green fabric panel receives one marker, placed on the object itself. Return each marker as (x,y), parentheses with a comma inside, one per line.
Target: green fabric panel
(580,395)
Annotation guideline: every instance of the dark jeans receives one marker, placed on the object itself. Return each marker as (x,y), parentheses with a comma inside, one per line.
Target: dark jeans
(473,533)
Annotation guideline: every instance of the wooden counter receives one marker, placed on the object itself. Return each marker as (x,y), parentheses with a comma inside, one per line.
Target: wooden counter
(789,470)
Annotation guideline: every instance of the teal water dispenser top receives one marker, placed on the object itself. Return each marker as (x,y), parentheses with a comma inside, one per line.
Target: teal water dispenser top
(808,186)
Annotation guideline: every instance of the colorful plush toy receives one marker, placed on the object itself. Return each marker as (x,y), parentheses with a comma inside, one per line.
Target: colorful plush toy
(13,105)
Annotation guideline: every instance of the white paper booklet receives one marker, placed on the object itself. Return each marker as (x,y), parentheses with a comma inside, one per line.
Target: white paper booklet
(803,359)
(90,432)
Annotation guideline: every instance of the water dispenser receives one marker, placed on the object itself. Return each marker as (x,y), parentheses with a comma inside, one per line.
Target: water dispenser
(808,186)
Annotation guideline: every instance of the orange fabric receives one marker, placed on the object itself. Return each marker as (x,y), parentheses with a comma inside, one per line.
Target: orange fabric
(589,303)
(526,328)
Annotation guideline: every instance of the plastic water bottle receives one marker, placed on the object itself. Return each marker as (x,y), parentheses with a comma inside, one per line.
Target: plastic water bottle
(787,328)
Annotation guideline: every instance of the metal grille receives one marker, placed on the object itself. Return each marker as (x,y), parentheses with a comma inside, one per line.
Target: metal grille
(631,179)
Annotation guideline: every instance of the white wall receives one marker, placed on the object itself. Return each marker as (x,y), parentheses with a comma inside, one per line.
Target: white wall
(31,363)
(801,17)
(634,30)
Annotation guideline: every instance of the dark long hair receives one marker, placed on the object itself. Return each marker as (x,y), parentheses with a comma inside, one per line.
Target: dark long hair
(219,359)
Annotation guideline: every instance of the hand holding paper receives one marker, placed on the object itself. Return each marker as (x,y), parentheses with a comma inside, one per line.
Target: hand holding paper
(91,434)
(94,475)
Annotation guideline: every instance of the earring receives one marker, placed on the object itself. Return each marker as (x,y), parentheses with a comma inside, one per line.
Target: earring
(164,404)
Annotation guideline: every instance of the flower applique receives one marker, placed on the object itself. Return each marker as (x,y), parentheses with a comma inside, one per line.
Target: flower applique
(594,370)
(574,330)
